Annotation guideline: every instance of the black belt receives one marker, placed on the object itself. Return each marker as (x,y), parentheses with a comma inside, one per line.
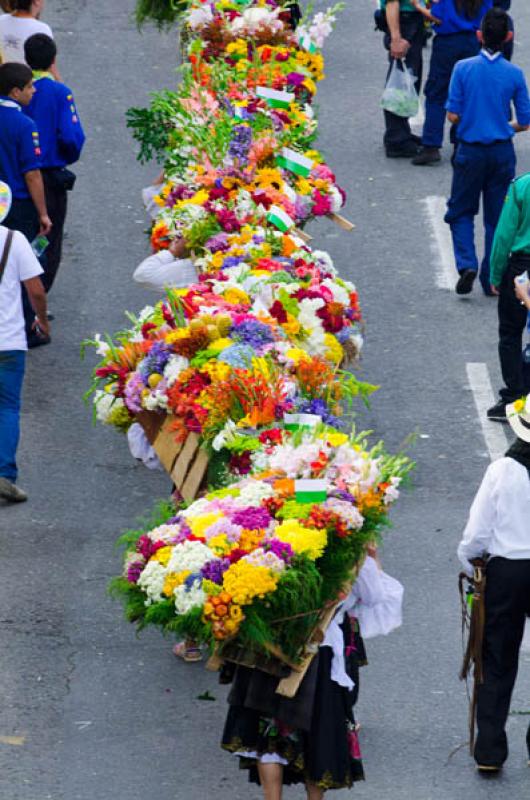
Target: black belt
(485,144)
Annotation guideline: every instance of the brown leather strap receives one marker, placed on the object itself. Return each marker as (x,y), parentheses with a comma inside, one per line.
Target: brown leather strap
(5,254)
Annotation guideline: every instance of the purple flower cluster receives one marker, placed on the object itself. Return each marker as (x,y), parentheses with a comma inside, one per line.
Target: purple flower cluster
(134,571)
(180,192)
(253,332)
(156,359)
(240,143)
(217,242)
(133,393)
(280,549)
(319,407)
(214,570)
(252,519)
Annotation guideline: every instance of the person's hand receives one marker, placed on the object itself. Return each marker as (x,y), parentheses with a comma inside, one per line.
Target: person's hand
(45,225)
(494,290)
(43,325)
(177,248)
(521,292)
(399,47)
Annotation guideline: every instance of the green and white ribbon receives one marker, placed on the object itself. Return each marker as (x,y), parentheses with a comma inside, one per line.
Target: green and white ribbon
(306,43)
(280,219)
(301,422)
(274,97)
(294,162)
(239,112)
(311,491)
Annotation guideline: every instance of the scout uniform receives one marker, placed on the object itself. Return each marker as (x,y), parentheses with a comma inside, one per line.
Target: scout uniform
(481,92)
(510,256)
(20,152)
(62,138)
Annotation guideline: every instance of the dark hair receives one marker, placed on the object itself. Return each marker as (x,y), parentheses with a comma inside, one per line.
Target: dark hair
(495,28)
(470,8)
(40,51)
(14,76)
(21,5)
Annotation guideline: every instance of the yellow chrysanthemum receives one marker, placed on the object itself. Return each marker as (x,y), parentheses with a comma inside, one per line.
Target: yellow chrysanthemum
(218,345)
(296,354)
(162,556)
(236,296)
(244,582)
(220,544)
(334,351)
(173,580)
(199,524)
(310,541)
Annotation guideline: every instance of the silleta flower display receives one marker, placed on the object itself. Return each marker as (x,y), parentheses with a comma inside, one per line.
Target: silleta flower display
(253,358)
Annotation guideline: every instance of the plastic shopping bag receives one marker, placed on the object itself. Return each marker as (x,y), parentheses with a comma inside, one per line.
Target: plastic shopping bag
(400,95)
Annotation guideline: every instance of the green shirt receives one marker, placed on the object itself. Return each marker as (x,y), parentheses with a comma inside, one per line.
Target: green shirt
(513,229)
(404,5)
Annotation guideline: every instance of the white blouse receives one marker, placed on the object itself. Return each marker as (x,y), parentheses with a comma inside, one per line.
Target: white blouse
(499,519)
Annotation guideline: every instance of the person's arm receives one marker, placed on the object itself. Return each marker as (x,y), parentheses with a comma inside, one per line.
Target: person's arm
(479,528)
(37,298)
(35,186)
(455,99)
(70,134)
(521,102)
(399,47)
(507,227)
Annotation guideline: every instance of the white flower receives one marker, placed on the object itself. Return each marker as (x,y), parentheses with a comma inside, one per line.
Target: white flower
(199,507)
(157,399)
(200,17)
(102,347)
(252,492)
(325,260)
(174,367)
(164,533)
(188,598)
(151,581)
(105,404)
(337,200)
(260,558)
(228,433)
(189,557)
(392,491)
(340,295)
(145,315)
(347,511)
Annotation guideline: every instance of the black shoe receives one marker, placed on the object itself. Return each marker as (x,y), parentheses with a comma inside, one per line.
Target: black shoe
(51,317)
(497,412)
(408,150)
(464,285)
(37,340)
(416,139)
(488,771)
(427,156)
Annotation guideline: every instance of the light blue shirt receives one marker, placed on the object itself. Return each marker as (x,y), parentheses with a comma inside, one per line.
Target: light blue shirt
(481,92)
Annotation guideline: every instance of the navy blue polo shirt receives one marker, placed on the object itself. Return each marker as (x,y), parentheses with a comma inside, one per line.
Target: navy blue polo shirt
(19,147)
(481,92)
(54,111)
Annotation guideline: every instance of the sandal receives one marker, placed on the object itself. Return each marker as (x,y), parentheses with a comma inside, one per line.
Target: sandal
(189,653)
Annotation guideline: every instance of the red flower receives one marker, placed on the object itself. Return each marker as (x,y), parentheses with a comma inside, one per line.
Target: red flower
(278,312)
(274,436)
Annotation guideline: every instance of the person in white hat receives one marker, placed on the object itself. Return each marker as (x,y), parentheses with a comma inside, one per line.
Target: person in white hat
(18,265)
(498,530)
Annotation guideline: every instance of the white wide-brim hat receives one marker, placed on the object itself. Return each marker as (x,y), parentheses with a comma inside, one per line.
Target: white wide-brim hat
(518,415)
(5,200)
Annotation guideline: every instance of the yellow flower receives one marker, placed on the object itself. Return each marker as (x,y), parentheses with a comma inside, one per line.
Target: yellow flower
(220,544)
(292,327)
(218,345)
(310,85)
(334,351)
(244,582)
(174,579)
(297,355)
(519,405)
(162,556)
(335,439)
(199,524)
(303,186)
(217,259)
(236,296)
(310,541)
(217,370)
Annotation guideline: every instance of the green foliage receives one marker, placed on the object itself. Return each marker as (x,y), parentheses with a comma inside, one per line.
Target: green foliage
(133,599)
(162,13)
(162,511)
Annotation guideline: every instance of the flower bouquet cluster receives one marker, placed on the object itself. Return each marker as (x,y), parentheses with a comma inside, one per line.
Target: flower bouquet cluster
(260,561)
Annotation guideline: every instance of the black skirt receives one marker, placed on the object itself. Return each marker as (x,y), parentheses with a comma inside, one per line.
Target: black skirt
(314,732)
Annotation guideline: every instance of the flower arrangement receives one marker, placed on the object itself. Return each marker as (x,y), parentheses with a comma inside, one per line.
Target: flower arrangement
(259,561)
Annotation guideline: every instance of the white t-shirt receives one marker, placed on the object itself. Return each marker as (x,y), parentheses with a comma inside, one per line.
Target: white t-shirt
(21,265)
(13,33)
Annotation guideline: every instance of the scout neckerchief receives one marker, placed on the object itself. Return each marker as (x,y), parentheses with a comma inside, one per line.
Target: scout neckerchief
(39,74)
(6,103)
(520,452)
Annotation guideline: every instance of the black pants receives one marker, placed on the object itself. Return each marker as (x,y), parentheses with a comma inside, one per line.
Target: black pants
(56,202)
(512,322)
(398,133)
(507,604)
(23,217)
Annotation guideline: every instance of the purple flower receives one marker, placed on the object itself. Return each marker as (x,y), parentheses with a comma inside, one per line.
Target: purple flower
(183,534)
(295,78)
(133,393)
(217,242)
(134,571)
(232,261)
(214,570)
(155,360)
(240,143)
(280,549)
(253,333)
(190,580)
(252,518)
(320,408)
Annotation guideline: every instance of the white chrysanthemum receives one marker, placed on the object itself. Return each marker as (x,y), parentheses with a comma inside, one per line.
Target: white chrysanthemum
(340,295)
(189,557)
(199,17)
(337,200)
(174,367)
(260,558)
(188,598)
(200,506)
(252,493)
(156,400)
(102,348)
(106,404)
(164,533)
(325,260)
(348,512)
(151,581)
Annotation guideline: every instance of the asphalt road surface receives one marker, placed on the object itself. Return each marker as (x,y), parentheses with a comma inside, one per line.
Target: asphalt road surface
(90,712)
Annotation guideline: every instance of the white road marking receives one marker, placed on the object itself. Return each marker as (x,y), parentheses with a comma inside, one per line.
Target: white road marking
(479,381)
(441,242)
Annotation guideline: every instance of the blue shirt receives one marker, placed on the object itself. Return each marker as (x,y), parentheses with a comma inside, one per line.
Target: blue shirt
(19,147)
(453,21)
(54,111)
(481,92)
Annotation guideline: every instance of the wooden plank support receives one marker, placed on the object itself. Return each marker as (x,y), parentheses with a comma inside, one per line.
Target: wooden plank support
(342,222)
(166,446)
(195,476)
(305,237)
(182,464)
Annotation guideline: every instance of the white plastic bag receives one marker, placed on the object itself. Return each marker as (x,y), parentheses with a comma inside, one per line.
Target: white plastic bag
(400,96)
(162,271)
(140,448)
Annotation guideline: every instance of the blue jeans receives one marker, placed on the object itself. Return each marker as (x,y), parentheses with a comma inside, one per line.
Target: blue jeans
(446,52)
(478,170)
(12,364)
